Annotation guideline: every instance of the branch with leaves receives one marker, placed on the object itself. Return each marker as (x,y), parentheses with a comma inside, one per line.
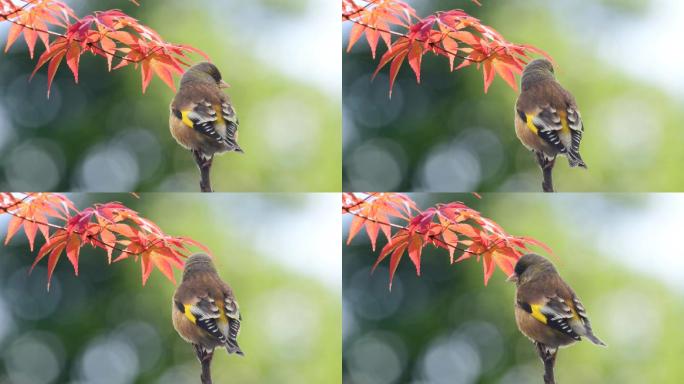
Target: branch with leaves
(112,227)
(110,34)
(454,227)
(453,34)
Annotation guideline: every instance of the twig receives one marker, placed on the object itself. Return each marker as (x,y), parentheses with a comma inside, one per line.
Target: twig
(76,232)
(546,166)
(430,43)
(204,166)
(204,356)
(548,357)
(432,237)
(206,370)
(63,36)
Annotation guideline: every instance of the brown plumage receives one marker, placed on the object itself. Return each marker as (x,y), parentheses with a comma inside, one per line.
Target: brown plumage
(547,310)
(202,117)
(205,311)
(547,119)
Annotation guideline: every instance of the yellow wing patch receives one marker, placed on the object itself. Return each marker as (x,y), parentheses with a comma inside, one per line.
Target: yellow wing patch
(565,128)
(186,120)
(219,113)
(222,314)
(536,313)
(189,314)
(530,125)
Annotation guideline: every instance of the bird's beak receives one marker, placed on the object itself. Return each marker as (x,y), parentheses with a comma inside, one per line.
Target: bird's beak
(512,278)
(223,84)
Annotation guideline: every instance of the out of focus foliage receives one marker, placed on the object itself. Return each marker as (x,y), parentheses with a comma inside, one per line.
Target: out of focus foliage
(446,327)
(103,327)
(103,134)
(445,134)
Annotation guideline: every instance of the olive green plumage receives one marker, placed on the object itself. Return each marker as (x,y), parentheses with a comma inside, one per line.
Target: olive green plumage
(547,119)
(547,310)
(205,311)
(202,117)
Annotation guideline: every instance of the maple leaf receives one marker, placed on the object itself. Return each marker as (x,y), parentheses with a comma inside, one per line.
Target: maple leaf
(34,21)
(375,22)
(453,226)
(453,34)
(35,217)
(375,214)
(111,226)
(110,34)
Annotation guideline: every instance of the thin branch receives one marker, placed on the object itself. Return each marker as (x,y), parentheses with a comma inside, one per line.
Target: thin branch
(90,237)
(548,357)
(360,202)
(430,43)
(89,44)
(361,9)
(204,167)
(432,237)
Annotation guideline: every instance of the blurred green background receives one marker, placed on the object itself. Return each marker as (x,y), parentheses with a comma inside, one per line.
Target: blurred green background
(279,252)
(104,135)
(618,252)
(616,56)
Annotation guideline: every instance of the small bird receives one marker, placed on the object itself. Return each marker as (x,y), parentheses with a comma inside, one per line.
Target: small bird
(547,310)
(202,117)
(547,120)
(205,311)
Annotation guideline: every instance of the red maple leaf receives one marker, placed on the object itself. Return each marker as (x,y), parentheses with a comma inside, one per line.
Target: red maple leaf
(454,227)
(112,227)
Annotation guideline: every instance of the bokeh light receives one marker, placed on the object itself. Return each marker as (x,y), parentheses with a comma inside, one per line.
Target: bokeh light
(451,136)
(104,135)
(446,326)
(103,326)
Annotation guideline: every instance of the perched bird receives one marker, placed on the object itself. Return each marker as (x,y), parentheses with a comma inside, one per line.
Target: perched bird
(205,312)
(547,310)
(202,118)
(547,120)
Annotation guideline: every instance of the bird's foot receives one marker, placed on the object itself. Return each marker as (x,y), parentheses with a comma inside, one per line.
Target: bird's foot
(203,354)
(201,160)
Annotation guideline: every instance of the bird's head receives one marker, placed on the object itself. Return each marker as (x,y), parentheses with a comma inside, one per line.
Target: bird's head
(527,266)
(198,262)
(536,70)
(204,71)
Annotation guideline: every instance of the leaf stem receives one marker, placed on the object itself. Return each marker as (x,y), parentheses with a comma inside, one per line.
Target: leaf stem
(430,43)
(7,209)
(63,36)
(432,237)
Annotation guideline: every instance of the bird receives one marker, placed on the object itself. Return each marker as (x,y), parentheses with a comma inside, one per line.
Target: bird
(205,312)
(202,118)
(547,119)
(547,310)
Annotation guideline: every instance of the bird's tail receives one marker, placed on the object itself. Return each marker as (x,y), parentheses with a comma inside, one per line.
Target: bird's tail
(590,335)
(575,160)
(233,347)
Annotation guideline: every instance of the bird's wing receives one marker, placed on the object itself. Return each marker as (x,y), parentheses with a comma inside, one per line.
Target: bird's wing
(576,126)
(204,313)
(232,122)
(202,117)
(546,123)
(550,110)
(554,312)
(232,311)
(585,329)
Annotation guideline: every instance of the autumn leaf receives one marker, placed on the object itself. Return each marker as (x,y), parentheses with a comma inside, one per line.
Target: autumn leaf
(377,216)
(110,34)
(453,34)
(111,226)
(454,226)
